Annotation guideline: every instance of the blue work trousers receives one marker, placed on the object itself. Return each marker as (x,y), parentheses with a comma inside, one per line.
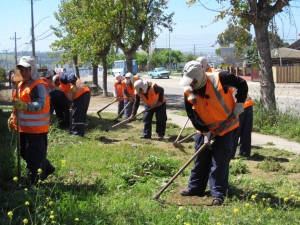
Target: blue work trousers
(80,107)
(120,108)
(33,149)
(61,106)
(161,120)
(128,109)
(243,132)
(212,165)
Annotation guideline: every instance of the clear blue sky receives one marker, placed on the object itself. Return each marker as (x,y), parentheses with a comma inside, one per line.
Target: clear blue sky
(187,36)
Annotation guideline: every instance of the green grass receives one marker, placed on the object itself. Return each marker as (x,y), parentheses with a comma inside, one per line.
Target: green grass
(116,175)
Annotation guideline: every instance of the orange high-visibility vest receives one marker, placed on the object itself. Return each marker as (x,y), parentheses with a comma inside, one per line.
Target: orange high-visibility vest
(216,108)
(152,97)
(119,90)
(80,89)
(32,122)
(248,101)
(129,89)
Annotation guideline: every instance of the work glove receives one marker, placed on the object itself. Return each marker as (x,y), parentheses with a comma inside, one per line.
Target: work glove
(10,123)
(238,109)
(73,88)
(18,104)
(207,137)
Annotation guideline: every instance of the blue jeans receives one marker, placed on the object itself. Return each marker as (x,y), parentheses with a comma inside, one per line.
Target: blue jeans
(212,165)
(161,120)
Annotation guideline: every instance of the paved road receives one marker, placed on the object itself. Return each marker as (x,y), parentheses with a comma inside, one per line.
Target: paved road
(287,95)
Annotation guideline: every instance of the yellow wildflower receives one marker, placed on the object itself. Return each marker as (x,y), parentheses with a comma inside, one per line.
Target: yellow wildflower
(51,212)
(218,223)
(236,210)
(27,203)
(76,219)
(180,208)
(269,209)
(52,217)
(178,217)
(258,220)
(51,203)
(25,221)
(286,199)
(253,197)
(15,179)
(10,214)
(63,163)
(186,223)
(40,170)
(247,205)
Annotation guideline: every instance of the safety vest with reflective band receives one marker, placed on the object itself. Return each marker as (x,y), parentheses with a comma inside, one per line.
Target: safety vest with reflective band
(248,101)
(33,122)
(119,90)
(80,89)
(216,108)
(50,84)
(129,89)
(152,97)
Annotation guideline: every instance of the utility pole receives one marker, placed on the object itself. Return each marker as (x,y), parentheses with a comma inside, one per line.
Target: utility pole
(5,50)
(16,56)
(169,51)
(32,31)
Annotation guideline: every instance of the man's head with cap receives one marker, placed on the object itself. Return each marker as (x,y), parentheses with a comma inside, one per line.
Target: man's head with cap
(203,62)
(66,78)
(129,78)
(140,85)
(26,69)
(193,75)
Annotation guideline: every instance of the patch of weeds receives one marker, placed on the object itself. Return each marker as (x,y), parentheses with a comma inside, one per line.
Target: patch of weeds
(180,113)
(294,166)
(269,164)
(237,167)
(270,143)
(152,166)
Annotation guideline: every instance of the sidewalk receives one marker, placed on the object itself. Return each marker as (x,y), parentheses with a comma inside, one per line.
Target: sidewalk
(257,139)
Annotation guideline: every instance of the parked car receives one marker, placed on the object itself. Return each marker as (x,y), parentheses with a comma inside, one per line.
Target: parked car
(159,72)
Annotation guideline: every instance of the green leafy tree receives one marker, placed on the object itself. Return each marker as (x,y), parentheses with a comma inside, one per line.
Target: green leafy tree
(190,57)
(258,14)
(137,24)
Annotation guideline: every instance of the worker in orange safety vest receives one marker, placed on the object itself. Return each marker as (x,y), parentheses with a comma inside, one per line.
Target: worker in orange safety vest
(208,103)
(33,105)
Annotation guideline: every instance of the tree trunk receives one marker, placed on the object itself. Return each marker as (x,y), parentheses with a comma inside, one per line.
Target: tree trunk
(267,86)
(75,60)
(95,75)
(104,76)
(129,59)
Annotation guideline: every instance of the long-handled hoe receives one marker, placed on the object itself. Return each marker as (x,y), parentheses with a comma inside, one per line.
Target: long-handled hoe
(100,110)
(156,196)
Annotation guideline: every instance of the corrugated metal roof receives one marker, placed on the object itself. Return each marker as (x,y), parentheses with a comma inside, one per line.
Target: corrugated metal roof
(285,53)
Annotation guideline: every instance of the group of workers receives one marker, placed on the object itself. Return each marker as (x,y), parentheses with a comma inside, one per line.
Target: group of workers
(210,98)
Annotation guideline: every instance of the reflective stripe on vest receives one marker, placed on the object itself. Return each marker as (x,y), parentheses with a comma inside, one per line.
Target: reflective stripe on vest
(152,97)
(33,122)
(215,109)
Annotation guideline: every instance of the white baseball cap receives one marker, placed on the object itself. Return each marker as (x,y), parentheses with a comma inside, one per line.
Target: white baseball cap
(192,70)
(118,78)
(140,84)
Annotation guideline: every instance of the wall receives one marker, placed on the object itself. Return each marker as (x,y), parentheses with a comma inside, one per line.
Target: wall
(286,74)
